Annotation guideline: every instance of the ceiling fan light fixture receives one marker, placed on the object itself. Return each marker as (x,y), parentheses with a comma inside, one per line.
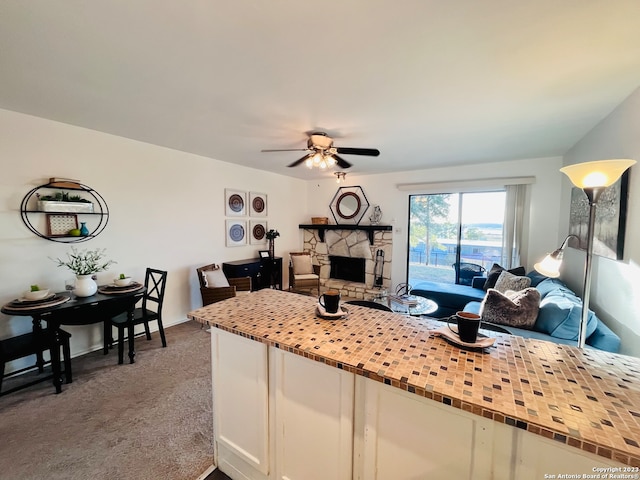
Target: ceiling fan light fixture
(309,163)
(330,160)
(317,158)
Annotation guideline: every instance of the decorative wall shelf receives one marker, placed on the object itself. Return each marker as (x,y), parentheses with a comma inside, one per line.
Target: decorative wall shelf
(370,229)
(38,215)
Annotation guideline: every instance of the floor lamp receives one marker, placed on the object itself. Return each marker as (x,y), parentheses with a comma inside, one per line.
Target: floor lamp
(592,178)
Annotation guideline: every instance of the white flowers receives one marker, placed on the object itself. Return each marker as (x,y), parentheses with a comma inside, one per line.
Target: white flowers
(85,262)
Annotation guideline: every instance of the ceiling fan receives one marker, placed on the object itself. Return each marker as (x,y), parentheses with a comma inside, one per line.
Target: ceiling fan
(321,152)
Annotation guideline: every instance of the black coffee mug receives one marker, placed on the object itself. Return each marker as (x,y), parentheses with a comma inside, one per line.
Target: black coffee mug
(468,325)
(330,301)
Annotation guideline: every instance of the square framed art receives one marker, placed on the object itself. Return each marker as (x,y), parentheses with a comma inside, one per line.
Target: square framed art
(257,204)
(236,233)
(257,232)
(235,202)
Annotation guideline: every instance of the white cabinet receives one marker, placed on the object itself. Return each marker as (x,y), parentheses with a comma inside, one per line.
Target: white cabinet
(280,416)
(313,419)
(240,405)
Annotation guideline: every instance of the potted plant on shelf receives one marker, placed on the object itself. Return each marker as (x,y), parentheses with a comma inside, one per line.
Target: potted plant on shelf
(85,263)
(271,236)
(64,202)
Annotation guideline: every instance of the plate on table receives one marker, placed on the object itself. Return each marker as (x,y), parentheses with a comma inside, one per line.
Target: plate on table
(21,304)
(482,341)
(26,301)
(341,313)
(114,289)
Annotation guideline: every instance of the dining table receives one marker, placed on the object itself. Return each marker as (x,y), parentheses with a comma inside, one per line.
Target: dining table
(65,308)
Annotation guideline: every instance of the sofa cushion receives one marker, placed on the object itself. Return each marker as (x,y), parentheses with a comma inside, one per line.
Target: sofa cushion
(553,285)
(604,339)
(494,273)
(302,264)
(509,281)
(560,315)
(516,309)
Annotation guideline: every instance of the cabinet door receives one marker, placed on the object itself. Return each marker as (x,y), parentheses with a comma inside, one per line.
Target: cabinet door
(240,404)
(313,419)
(407,437)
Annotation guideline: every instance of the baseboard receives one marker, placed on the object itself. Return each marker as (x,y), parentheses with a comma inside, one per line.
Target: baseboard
(207,472)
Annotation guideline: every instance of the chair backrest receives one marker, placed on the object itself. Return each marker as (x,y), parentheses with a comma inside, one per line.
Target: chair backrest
(212,266)
(369,304)
(155,281)
(294,256)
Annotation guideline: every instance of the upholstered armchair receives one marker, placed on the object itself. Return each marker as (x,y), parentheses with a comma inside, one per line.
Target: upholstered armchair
(303,274)
(215,286)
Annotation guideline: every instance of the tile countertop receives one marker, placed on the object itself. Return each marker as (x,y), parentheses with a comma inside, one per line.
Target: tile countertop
(584,398)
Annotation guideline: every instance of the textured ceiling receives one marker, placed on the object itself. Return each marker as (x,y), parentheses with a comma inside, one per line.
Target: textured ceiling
(427,82)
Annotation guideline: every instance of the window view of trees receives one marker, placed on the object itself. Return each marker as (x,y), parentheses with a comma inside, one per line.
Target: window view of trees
(445,229)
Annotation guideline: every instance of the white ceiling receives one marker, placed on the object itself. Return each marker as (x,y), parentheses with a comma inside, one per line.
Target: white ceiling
(428,82)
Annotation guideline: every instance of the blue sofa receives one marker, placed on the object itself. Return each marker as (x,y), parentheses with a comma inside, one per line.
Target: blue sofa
(558,319)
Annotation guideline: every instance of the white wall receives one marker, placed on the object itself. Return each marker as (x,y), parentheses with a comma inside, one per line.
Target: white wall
(615,290)
(166,211)
(541,234)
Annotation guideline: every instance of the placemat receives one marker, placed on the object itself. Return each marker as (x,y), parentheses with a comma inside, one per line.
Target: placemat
(21,305)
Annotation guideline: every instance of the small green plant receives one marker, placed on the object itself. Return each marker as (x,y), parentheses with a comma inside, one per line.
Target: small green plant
(35,288)
(122,276)
(62,197)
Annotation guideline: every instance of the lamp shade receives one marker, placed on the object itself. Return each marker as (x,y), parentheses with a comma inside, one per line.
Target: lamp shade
(600,173)
(549,267)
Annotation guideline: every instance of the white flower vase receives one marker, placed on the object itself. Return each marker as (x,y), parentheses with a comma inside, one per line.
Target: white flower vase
(85,286)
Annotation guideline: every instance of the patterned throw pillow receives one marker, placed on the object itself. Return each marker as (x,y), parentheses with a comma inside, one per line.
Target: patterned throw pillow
(508,281)
(516,309)
(494,273)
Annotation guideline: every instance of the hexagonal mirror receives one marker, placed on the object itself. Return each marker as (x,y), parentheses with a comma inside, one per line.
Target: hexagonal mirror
(349,205)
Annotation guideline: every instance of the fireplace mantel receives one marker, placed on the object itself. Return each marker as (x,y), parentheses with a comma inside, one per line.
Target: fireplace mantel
(370,229)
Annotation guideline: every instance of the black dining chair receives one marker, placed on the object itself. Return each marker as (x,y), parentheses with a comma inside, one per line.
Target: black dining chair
(155,282)
(369,304)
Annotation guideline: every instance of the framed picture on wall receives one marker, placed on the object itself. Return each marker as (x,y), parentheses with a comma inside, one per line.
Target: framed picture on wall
(257,204)
(258,232)
(611,219)
(236,233)
(235,202)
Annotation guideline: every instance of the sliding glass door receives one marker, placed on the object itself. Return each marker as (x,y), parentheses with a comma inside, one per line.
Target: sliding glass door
(454,236)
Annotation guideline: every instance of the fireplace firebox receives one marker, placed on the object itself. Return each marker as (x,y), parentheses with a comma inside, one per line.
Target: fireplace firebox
(347,268)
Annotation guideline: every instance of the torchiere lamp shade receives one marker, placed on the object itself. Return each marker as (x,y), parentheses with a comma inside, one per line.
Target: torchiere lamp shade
(600,173)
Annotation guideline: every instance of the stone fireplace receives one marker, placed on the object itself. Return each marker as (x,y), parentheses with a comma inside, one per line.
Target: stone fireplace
(354,247)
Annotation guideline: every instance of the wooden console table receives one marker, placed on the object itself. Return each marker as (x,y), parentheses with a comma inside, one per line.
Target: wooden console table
(264,272)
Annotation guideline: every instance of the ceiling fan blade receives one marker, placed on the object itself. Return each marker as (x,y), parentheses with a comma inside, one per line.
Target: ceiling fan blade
(372,152)
(299,161)
(341,162)
(288,150)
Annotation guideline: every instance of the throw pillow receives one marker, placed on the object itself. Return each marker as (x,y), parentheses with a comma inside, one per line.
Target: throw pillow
(494,273)
(515,309)
(302,264)
(509,281)
(215,278)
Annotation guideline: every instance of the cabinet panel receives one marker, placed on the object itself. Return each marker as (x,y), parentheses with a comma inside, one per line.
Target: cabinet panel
(240,398)
(313,419)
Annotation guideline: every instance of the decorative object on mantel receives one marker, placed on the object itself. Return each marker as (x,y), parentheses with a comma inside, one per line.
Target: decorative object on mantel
(376,215)
(271,236)
(320,220)
(85,263)
(349,205)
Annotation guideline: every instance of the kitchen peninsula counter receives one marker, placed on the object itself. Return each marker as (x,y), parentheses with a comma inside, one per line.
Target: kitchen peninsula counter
(585,399)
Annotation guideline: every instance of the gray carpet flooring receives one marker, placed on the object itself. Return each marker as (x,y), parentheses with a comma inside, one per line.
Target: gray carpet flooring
(149,420)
